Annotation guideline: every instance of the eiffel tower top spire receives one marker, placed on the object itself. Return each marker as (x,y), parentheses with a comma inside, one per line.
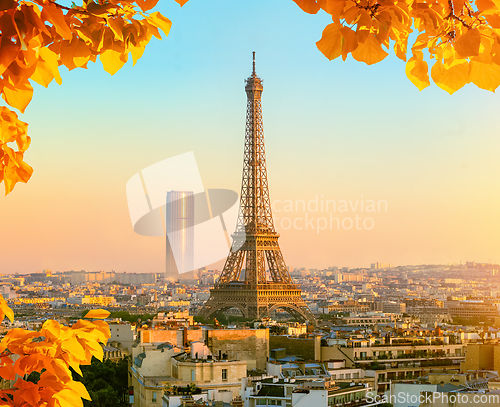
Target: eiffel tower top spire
(254,83)
(255,217)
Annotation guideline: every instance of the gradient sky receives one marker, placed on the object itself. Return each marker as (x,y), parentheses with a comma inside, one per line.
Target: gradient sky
(336,130)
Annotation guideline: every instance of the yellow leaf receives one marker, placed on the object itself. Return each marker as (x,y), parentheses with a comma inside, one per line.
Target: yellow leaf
(111,61)
(97,314)
(96,349)
(24,172)
(160,21)
(18,96)
(5,310)
(400,45)
(43,74)
(151,28)
(452,78)
(79,389)
(370,52)
(485,76)
(309,6)
(67,397)
(467,45)
(50,57)
(137,53)
(74,348)
(51,329)
(417,72)
(330,43)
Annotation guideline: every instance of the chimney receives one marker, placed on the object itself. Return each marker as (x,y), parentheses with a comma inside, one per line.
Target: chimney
(185,337)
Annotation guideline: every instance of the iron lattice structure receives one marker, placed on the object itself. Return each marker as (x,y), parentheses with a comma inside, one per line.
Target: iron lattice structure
(244,282)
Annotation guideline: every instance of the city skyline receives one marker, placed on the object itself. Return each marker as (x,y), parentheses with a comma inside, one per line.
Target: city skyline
(341,130)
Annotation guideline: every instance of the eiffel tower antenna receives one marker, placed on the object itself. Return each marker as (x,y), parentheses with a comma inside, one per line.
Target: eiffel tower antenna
(255,278)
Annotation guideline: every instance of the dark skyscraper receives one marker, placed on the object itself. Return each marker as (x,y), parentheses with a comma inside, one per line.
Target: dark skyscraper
(179,223)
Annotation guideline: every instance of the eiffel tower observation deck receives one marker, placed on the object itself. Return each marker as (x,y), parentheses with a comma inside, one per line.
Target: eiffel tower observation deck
(255,278)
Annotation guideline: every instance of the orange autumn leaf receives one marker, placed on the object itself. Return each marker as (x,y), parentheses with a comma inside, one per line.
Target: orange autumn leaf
(146,5)
(330,43)
(450,78)
(309,6)
(55,15)
(452,33)
(8,53)
(97,314)
(485,75)
(370,52)
(483,5)
(18,96)
(467,45)
(39,36)
(350,41)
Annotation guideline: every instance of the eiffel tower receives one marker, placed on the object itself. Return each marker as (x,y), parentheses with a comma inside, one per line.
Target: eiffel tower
(244,282)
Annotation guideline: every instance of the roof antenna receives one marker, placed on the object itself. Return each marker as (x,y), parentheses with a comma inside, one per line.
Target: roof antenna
(253,63)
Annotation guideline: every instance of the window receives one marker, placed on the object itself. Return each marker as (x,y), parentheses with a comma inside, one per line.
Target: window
(154,397)
(261,402)
(224,374)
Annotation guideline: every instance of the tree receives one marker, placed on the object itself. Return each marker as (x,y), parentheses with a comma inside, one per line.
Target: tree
(106,382)
(54,352)
(39,36)
(461,36)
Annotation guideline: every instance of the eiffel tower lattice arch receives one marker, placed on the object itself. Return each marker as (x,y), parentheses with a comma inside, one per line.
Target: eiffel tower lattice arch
(255,278)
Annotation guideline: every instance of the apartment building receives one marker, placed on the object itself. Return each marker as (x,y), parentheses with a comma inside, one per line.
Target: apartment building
(307,392)
(472,309)
(162,366)
(401,359)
